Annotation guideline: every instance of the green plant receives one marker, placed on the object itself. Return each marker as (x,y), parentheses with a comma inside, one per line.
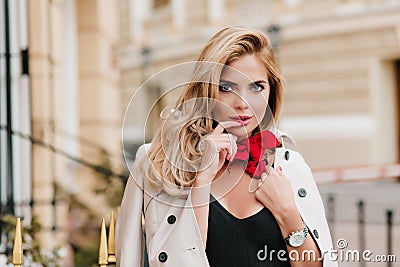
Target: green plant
(84,239)
(110,187)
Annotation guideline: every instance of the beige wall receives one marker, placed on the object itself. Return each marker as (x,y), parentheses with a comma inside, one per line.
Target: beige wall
(339,100)
(97,104)
(334,68)
(99,94)
(45,67)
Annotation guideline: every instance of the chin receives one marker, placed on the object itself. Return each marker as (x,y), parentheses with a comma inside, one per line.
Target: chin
(240,132)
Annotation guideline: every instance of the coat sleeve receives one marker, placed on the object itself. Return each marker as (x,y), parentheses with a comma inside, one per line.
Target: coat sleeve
(129,243)
(309,201)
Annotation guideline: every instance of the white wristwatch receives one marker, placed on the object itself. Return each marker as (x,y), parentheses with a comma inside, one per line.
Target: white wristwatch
(296,239)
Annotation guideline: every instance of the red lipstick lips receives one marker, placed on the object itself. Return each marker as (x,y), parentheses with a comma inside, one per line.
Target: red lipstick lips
(243,119)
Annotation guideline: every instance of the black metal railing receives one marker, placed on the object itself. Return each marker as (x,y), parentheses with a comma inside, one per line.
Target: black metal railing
(360,223)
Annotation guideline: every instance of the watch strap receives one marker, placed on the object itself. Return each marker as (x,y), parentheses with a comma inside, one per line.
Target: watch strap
(303,231)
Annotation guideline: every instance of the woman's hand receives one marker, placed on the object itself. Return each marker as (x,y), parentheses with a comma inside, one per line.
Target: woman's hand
(216,148)
(275,192)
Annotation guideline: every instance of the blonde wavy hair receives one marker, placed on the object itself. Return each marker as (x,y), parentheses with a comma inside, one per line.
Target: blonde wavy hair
(174,157)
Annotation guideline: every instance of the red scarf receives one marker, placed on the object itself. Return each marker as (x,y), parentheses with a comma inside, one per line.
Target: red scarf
(252,149)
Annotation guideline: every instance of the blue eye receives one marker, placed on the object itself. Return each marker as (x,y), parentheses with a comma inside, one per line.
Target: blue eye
(256,87)
(225,87)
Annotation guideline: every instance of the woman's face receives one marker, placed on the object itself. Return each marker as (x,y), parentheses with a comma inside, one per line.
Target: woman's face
(243,94)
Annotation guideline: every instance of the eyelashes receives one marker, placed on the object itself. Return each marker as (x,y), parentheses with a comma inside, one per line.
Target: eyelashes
(225,87)
(257,87)
(254,87)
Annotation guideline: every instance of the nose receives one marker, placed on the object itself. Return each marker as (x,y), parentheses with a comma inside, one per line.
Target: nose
(240,102)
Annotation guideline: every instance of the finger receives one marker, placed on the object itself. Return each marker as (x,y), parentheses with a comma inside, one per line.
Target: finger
(223,155)
(271,171)
(264,177)
(224,142)
(225,125)
(233,139)
(260,183)
(210,145)
(226,146)
(276,173)
(232,147)
(280,171)
(224,138)
(217,145)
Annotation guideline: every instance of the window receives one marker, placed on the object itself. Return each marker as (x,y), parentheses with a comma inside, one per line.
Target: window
(15,117)
(160,3)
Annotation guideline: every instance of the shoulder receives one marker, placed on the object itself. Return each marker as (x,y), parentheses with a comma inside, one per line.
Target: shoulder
(140,154)
(134,164)
(142,150)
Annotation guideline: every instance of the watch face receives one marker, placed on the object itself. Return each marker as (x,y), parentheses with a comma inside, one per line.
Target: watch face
(297,239)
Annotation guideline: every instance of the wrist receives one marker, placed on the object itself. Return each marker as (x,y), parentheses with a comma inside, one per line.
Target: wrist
(289,220)
(203,179)
(297,238)
(200,192)
(285,213)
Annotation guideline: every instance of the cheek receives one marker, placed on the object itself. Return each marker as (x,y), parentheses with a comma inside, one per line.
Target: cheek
(259,106)
(222,107)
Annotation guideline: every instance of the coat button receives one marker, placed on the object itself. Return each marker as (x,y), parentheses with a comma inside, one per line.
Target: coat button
(302,192)
(287,155)
(316,234)
(171,219)
(162,257)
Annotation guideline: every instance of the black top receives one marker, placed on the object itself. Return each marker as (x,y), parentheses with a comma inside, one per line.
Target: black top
(244,242)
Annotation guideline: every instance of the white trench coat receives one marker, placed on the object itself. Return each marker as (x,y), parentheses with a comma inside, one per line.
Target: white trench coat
(172,234)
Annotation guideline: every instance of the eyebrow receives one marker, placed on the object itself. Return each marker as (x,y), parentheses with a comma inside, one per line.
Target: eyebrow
(232,83)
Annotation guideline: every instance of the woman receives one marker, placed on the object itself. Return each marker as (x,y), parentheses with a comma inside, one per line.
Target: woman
(210,192)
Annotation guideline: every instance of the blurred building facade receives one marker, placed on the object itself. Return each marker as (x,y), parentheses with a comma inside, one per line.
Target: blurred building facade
(15,113)
(15,164)
(60,80)
(60,109)
(340,59)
